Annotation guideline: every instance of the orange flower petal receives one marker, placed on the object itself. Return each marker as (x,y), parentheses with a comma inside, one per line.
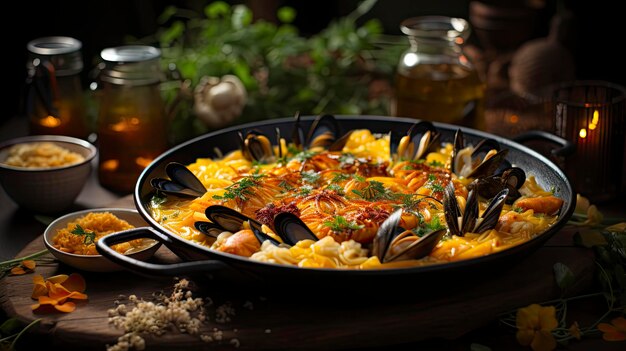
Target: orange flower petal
(547,318)
(543,341)
(75,282)
(614,336)
(606,328)
(525,336)
(620,323)
(57,291)
(58,278)
(46,300)
(66,307)
(38,278)
(30,264)
(17,270)
(77,296)
(39,289)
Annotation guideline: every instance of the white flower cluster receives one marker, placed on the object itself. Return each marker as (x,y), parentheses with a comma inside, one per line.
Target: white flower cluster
(179,310)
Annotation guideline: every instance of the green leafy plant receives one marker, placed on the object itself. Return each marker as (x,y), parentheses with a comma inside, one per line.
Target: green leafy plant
(89,237)
(336,71)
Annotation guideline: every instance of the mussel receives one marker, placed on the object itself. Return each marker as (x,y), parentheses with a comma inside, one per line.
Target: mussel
(257,147)
(286,225)
(419,140)
(479,161)
(470,221)
(324,132)
(511,178)
(394,243)
(182,182)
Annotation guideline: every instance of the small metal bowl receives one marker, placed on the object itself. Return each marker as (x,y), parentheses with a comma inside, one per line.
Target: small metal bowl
(46,190)
(96,263)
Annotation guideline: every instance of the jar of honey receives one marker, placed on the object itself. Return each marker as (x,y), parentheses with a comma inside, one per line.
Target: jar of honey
(131,122)
(435,81)
(54,97)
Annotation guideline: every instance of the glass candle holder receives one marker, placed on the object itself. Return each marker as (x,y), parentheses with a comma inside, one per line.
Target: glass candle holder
(592,115)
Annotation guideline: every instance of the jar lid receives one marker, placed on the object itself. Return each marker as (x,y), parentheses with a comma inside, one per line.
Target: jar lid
(437,27)
(131,65)
(63,52)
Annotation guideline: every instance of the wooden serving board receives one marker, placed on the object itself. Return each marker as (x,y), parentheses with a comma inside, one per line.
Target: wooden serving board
(340,321)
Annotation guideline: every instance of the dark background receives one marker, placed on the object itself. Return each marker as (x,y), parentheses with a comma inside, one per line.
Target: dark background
(101,24)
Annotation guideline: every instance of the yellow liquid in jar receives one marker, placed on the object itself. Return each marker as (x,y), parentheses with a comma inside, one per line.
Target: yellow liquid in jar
(440,92)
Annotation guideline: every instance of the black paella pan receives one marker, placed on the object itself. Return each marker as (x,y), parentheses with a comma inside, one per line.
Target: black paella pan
(198,259)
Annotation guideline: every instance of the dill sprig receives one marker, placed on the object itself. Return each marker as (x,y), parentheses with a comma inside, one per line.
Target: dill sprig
(375,191)
(241,189)
(310,177)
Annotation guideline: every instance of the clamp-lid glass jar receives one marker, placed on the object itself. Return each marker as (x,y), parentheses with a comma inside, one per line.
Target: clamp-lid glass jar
(131,121)
(54,97)
(435,81)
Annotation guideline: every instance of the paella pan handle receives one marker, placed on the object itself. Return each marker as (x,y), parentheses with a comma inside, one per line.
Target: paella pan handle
(566,147)
(153,269)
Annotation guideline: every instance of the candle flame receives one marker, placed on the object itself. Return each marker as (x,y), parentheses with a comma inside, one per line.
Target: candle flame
(110,165)
(514,119)
(50,121)
(594,120)
(583,133)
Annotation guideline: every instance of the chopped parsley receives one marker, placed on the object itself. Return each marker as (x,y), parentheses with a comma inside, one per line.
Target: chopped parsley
(358,178)
(310,177)
(240,189)
(433,225)
(432,178)
(518,209)
(375,191)
(340,224)
(437,188)
(89,237)
(340,177)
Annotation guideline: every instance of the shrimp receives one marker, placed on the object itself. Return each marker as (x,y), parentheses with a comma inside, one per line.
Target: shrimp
(548,204)
(242,243)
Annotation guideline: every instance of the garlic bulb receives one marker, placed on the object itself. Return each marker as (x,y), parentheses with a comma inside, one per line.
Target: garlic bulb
(218,101)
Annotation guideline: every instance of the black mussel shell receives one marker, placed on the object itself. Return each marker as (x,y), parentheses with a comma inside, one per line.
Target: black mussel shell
(291,229)
(228,218)
(180,174)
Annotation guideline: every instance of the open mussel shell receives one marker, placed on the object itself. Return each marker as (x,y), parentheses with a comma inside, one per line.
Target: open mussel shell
(408,246)
(262,237)
(512,178)
(388,230)
(324,132)
(256,147)
(489,166)
(208,228)
(492,212)
(182,182)
(419,140)
(228,218)
(452,211)
(180,174)
(291,229)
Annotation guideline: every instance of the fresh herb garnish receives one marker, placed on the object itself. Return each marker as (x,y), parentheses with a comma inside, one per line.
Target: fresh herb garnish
(436,187)
(304,155)
(347,159)
(375,191)
(337,188)
(435,164)
(432,177)
(305,190)
(157,200)
(283,184)
(433,225)
(340,177)
(240,189)
(518,209)
(358,178)
(340,224)
(90,237)
(310,176)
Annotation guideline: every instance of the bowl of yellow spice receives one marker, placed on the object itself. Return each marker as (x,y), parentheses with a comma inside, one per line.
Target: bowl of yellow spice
(72,238)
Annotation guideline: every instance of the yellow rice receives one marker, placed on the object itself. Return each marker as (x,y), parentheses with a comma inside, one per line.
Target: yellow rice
(41,155)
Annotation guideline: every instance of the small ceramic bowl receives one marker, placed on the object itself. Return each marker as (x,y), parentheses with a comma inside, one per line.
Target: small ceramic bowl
(46,190)
(96,263)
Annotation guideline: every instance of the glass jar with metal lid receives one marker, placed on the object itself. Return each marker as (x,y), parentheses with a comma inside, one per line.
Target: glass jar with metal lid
(131,120)
(54,97)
